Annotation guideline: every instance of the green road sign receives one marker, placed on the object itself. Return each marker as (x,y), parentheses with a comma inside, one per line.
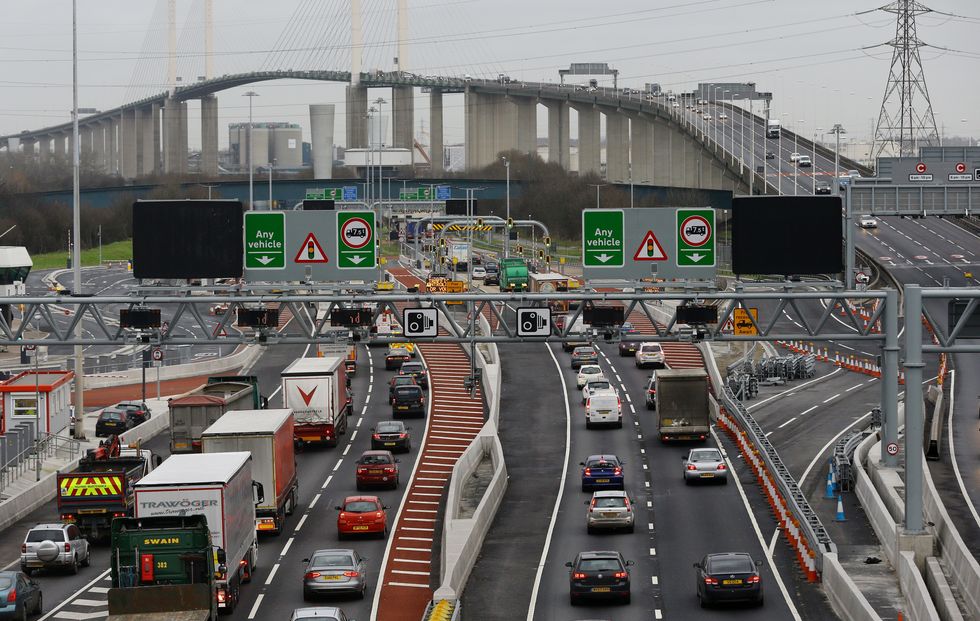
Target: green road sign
(416,194)
(695,237)
(265,240)
(355,237)
(327,194)
(602,238)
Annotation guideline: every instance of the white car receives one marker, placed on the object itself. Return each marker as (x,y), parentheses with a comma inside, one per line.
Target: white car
(588,372)
(596,386)
(675,105)
(867,222)
(650,354)
(479,272)
(723,117)
(707,117)
(794,156)
(804,161)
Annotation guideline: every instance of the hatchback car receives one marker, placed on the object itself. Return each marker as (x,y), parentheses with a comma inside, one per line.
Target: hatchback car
(793,157)
(113,421)
(599,575)
(391,435)
(585,354)
(587,373)
(408,400)
(650,354)
(54,545)
(596,386)
(770,155)
(362,515)
(19,596)
(416,370)
(396,356)
(399,380)
(137,409)
(728,577)
(804,161)
(602,472)
(705,464)
(478,272)
(332,572)
(628,348)
(376,468)
(609,510)
(319,613)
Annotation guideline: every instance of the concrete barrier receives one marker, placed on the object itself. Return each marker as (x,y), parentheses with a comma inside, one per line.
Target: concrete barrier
(244,357)
(920,606)
(941,594)
(882,522)
(845,597)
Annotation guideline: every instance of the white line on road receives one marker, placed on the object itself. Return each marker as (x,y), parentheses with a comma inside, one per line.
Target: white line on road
(952,449)
(272,574)
(285,548)
(787,422)
(808,410)
(829,399)
(653,551)
(326,483)
(255,607)
(772,542)
(346,450)
(69,599)
(654,580)
(302,521)
(313,502)
(789,390)
(339,461)
(855,386)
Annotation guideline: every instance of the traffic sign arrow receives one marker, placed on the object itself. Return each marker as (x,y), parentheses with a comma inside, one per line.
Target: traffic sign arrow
(355,259)
(604,257)
(264,260)
(697,256)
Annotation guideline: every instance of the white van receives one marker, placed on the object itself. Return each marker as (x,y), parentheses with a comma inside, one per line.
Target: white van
(603,408)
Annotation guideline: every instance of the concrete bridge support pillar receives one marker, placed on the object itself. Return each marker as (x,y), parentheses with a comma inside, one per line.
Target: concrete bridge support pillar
(43,147)
(27,146)
(127,144)
(112,146)
(505,138)
(357,122)
(527,125)
(209,136)
(618,148)
(98,146)
(641,148)
(589,145)
(662,136)
(558,133)
(148,126)
(174,136)
(182,135)
(471,127)
(436,149)
(403,116)
(321,139)
(59,145)
(87,136)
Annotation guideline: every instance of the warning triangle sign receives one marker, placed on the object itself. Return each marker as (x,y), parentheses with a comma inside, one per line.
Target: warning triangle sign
(310,251)
(650,249)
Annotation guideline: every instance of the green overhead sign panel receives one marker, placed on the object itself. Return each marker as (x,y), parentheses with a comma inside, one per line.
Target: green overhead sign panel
(356,240)
(602,238)
(695,237)
(265,240)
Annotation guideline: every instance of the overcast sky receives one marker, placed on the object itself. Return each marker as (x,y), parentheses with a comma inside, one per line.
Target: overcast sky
(817,58)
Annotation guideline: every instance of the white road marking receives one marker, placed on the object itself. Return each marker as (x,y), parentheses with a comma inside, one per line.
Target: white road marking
(855,387)
(829,399)
(255,607)
(952,451)
(54,611)
(313,502)
(272,574)
(654,580)
(286,547)
(302,520)
(339,461)
(346,450)
(772,542)
(653,551)
(795,388)
(326,483)
(787,422)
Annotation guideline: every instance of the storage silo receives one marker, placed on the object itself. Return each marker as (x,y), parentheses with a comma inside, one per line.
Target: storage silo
(287,145)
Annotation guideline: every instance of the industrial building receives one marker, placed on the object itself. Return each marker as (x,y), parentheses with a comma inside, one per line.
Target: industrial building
(279,142)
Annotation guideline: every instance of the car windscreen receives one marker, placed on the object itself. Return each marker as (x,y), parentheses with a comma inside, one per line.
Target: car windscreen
(604,401)
(390,427)
(321,561)
(612,502)
(110,415)
(705,456)
(360,506)
(650,349)
(601,463)
(411,367)
(37,536)
(600,564)
(590,369)
(6,582)
(584,351)
(375,460)
(318,618)
(593,386)
(731,565)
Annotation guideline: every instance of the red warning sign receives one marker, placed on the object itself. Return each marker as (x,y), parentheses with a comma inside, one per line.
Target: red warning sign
(650,249)
(310,251)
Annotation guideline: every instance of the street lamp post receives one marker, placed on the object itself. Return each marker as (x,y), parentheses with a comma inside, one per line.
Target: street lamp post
(272,167)
(796,150)
(596,186)
(506,228)
(251,191)
(76,261)
(837,130)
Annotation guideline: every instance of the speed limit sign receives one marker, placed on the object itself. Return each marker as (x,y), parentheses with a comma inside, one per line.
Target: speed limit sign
(892,448)
(157,354)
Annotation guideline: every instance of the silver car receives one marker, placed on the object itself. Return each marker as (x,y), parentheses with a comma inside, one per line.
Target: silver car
(319,613)
(54,545)
(610,509)
(705,464)
(650,354)
(330,572)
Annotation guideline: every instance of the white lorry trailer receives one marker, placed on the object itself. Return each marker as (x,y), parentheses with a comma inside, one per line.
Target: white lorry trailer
(315,389)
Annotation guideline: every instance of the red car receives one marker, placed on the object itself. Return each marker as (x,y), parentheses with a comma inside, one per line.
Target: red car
(377,468)
(362,515)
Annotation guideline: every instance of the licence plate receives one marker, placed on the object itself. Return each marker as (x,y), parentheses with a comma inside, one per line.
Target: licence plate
(731,582)
(610,514)
(604,411)
(402,407)
(375,472)
(328,578)
(707,475)
(600,589)
(389,444)
(35,564)
(359,528)
(602,480)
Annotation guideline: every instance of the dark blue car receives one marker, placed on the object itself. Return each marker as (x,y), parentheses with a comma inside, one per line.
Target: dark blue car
(602,472)
(19,596)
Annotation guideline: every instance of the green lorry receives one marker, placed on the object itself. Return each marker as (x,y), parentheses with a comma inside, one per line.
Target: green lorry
(513,274)
(163,569)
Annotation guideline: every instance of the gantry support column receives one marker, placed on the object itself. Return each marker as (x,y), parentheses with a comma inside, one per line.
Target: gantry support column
(558,133)
(589,142)
(403,117)
(357,122)
(436,152)
(209,136)
(127,144)
(618,147)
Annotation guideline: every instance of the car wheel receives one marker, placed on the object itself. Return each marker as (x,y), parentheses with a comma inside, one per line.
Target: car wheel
(88,559)
(762,600)
(359,487)
(590,530)
(360,594)
(620,424)
(724,481)
(631,528)
(39,608)
(701,601)
(74,565)
(307,596)
(626,600)
(585,487)
(23,614)
(573,600)
(588,425)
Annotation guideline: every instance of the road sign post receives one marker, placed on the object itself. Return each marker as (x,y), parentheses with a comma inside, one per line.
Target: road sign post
(695,237)
(265,240)
(602,238)
(355,237)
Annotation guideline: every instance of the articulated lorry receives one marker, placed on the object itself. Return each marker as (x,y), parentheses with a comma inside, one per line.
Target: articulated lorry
(268,436)
(683,408)
(100,488)
(315,389)
(163,569)
(220,487)
(191,414)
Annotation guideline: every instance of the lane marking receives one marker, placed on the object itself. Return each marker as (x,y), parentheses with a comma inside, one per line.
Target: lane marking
(855,387)
(255,607)
(654,580)
(339,461)
(104,575)
(952,450)
(286,547)
(272,574)
(789,390)
(829,399)
(313,502)
(326,483)
(772,542)
(561,491)
(302,520)
(808,410)
(653,551)
(758,533)
(787,422)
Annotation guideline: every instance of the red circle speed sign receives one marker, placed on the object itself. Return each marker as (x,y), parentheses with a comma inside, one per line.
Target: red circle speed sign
(961,167)
(920,167)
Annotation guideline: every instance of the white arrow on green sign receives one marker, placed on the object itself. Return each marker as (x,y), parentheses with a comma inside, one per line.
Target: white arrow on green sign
(602,238)
(265,240)
(355,239)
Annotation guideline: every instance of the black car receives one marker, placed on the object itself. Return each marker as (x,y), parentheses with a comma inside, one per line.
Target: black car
(391,435)
(729,577)
(137,409)
(584,355)
(416,370)
(770,155)
(396,357)
(408,400)
(399,380)
(492,278)
(599,575)
(113,421)
(821,186)
(628,348)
